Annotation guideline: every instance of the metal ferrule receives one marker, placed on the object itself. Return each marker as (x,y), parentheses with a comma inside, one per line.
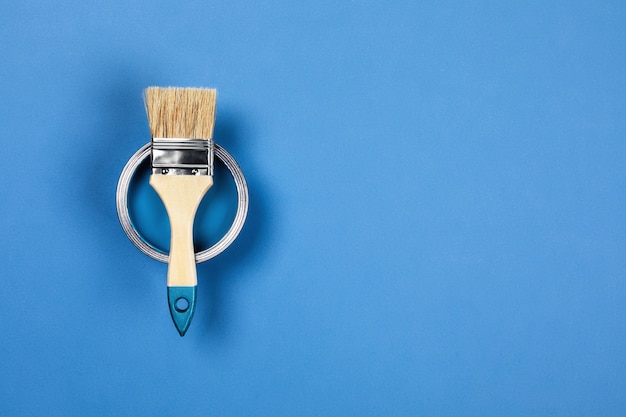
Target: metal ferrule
(179,156)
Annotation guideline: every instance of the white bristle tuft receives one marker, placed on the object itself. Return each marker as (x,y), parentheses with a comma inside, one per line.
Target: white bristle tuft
(180,112)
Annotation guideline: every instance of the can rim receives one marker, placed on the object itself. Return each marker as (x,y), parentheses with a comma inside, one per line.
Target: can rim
(121,199)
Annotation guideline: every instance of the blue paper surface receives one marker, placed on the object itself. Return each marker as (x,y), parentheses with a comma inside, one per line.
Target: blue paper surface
(436,226)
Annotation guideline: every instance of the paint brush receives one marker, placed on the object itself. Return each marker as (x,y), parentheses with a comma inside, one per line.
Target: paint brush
(181,123)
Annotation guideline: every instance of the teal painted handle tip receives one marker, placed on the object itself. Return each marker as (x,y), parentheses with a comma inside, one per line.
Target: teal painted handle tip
(182,302)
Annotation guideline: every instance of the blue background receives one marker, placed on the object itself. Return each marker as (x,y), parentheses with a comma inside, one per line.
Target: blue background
(436,223)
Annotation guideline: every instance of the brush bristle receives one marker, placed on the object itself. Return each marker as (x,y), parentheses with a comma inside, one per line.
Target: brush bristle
(180,112)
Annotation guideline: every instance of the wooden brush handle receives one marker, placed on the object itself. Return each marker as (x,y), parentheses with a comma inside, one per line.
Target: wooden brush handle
(181,195)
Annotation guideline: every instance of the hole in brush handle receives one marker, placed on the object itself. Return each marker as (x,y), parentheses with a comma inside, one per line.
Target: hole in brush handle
(182,303)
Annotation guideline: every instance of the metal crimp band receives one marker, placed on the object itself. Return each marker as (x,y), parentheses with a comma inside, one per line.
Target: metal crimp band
(179,156)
